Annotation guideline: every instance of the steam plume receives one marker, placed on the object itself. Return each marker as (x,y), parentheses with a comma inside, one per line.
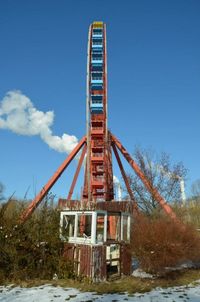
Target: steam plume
(116,179)
(18,114)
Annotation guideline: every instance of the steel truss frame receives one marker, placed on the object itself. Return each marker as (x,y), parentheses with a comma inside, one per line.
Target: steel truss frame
(98,142)
(116,145)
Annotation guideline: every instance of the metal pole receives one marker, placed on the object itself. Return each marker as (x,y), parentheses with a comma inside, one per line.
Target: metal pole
(145,180)
(77,173)
(34,204)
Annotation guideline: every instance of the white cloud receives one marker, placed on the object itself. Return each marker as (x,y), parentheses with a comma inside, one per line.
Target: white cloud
(18,114)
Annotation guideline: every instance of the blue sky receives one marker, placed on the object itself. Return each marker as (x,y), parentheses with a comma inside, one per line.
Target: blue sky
(153,80)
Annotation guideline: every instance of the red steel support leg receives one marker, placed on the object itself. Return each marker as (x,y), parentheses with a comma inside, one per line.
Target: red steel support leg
(27,213)
(77,172)
(124,176)
(144,179)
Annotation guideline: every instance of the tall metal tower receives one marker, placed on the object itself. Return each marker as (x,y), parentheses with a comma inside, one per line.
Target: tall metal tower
(98,184)
(96,229)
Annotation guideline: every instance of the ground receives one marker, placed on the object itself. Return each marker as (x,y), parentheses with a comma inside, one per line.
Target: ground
(49,293)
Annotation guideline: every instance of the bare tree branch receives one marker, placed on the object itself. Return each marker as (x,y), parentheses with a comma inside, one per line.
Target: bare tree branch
(162,174)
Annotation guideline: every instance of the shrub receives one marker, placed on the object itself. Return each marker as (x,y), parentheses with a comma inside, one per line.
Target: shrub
(159,243)
(31,250)
(190,212)
(66,268)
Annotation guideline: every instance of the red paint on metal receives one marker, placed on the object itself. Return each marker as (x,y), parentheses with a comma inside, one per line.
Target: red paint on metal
(144,179)
(98,184)
(77,172)
(100,157)
(27,213)
(124,176)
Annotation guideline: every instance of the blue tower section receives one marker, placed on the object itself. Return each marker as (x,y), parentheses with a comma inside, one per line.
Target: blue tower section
(96,72)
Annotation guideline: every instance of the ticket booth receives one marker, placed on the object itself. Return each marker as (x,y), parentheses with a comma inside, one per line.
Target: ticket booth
(97,241)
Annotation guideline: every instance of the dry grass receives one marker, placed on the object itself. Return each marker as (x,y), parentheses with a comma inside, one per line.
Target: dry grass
(126,284)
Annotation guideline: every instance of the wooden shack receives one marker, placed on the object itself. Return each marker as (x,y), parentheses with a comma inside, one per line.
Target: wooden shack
(97,239)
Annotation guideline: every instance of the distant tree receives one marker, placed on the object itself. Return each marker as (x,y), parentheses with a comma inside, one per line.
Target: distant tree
(162,174)
(1,191)
(195,189)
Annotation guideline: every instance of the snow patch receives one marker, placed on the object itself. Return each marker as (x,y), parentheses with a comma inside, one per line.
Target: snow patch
(138,273)
(49,293)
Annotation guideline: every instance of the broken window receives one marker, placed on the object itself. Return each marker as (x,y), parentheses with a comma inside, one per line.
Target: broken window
(100,228)
(113,227)
(68,226)
(84,225)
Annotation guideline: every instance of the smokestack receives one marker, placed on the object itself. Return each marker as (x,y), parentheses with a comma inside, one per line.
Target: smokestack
(118,188)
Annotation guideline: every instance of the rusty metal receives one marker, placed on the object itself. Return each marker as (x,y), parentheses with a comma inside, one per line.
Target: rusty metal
(98,144)
(126,181)
(125,258)
(34,204)
(77,172)
(88,261)
(144,179)
(110,206)
(99,185)
(92,262)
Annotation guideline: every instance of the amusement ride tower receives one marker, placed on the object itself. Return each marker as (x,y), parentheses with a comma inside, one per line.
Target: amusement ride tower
(96,229)
(99,174)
